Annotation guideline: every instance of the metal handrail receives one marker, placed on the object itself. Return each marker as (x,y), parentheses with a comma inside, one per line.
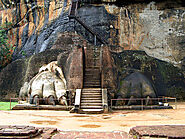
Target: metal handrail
(10,100)
(142,100)
(74,15)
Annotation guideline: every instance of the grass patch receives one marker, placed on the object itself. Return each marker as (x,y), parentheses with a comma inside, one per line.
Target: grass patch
(6,105)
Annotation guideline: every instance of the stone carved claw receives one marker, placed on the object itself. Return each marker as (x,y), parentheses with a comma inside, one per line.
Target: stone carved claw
(48,86)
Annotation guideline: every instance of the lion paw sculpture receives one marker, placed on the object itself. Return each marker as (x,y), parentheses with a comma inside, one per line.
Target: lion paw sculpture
(47,87)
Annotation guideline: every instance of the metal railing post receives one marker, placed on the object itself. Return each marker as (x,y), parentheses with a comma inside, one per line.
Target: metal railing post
(101,65)
(142,104)
(10,103)
(175,103)
(94,39)
(111,103)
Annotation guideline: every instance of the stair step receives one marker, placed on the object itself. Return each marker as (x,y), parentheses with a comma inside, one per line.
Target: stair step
(91,104)
(91,90)
(93,80)
(92,69)
(92,96)
(92,49)
(91,107)
(91,93)
(93,59)
(92,66)
(92,86)
(91,111)
(91,101)
(92,76)
(92,72)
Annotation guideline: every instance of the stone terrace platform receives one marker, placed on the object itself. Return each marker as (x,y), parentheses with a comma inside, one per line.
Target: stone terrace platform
(161,131)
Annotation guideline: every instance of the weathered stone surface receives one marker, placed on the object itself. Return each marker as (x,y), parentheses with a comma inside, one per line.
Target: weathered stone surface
(109,72)
(167,79)
(28,19)
(45,85)
(74,68)
(15,74)
(136,85)
(155,27)
(18,131)
(163,131)
(25,132)
(92,135)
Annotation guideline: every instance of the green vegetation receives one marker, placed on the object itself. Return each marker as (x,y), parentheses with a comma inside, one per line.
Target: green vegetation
(6,105)
(6,50)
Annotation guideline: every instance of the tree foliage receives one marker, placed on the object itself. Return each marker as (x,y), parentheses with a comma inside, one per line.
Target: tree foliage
(6,50)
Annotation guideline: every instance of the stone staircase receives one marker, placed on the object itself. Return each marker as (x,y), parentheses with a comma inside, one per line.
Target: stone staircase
(92,99)
(92,78)
(91,96)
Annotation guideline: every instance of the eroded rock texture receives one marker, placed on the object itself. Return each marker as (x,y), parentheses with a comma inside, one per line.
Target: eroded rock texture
(136,85)
(35,24)
(69,57)
(13,76)
(155,27)
(167,80)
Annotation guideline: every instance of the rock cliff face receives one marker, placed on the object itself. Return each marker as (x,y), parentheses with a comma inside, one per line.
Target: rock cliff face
(34,24)
(68,55)
(152,27)
(155,27)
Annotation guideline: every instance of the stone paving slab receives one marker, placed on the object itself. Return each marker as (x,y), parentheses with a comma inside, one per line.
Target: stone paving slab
(90,135)
(163,131)
(138,132)
(25,132)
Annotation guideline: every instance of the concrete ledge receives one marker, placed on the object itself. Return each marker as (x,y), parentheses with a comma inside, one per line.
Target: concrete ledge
(140,107)
(41,107)
(104,100)
(77,100)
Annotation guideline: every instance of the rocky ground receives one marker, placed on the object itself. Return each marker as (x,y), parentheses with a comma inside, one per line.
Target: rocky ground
(118,122)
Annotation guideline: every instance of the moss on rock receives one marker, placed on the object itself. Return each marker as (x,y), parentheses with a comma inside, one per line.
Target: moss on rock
(167,79)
